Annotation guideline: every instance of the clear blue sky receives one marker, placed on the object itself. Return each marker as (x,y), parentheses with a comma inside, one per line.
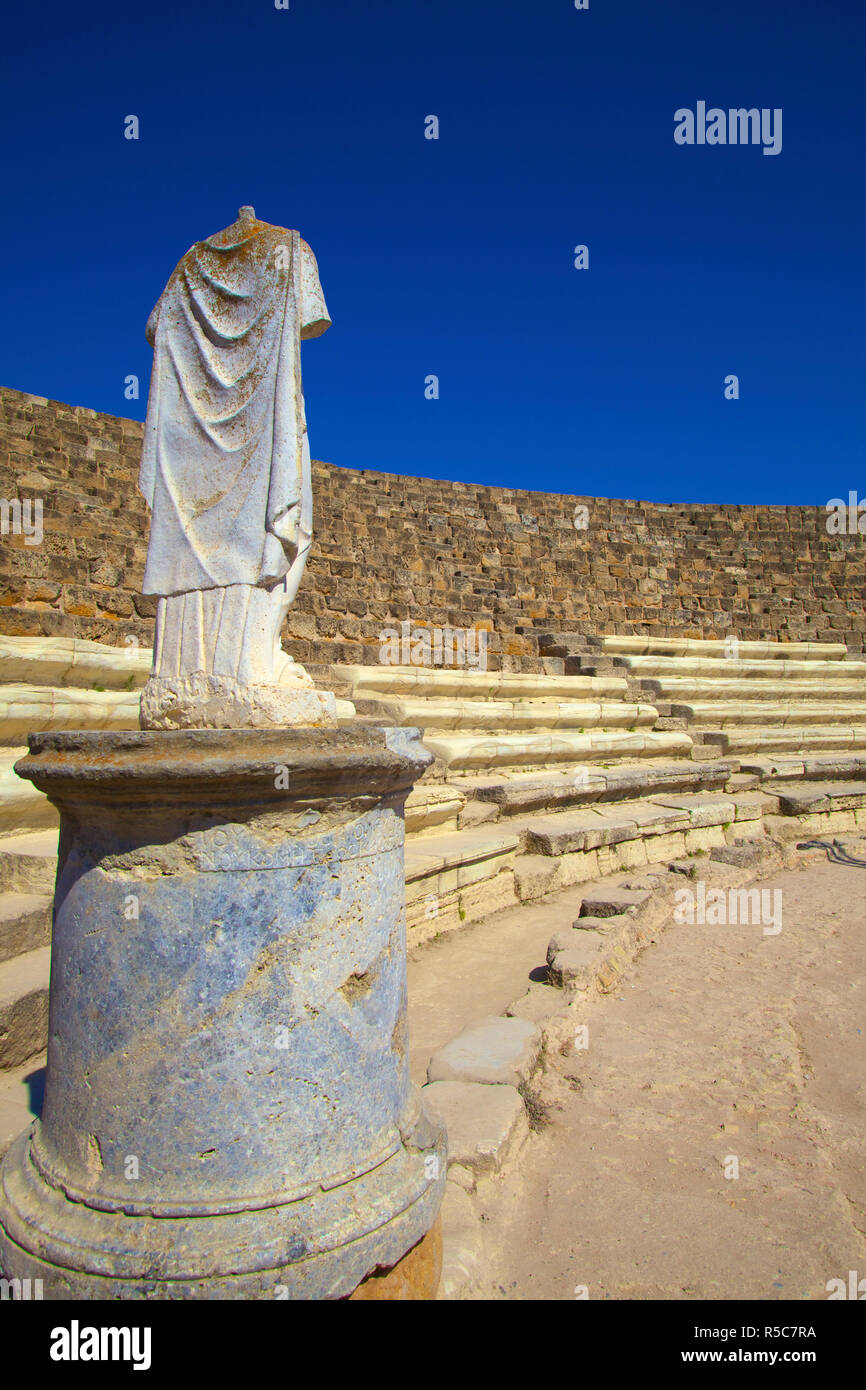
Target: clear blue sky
(455,257)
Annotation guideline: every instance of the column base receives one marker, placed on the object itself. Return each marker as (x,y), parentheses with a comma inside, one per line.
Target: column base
(277,1252)
(415,1277)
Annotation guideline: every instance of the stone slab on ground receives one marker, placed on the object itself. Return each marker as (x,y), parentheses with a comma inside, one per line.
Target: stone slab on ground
(539,1004)
(740,856)
(485,1124)
(494,1051)
(576,968)
(609,902)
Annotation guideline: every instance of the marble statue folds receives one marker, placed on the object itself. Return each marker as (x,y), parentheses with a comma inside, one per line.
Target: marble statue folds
(225,468)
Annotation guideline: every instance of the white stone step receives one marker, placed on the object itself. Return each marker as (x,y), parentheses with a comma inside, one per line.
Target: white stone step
(473,751)
(791,739)
(28,863)
(690,689)
(368,682)
(777,714)
(22,807)
(25,923)
(467,855)
(827,767)
(694,646)
(72,661)
(28,709)
(592,827)
(510,715)
(721,668)
(517,792)
(812,798)
(458,877)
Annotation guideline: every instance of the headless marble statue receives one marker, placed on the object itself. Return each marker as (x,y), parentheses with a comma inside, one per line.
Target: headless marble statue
(225,468)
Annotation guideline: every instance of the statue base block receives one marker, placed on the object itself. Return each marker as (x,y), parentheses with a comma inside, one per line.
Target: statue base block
(212,702)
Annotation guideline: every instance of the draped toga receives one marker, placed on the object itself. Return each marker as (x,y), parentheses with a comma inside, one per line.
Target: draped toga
(225,462)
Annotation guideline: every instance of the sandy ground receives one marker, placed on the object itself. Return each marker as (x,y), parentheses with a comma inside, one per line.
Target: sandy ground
(722,1044)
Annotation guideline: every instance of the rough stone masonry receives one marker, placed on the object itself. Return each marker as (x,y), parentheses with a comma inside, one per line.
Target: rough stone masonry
(390,548)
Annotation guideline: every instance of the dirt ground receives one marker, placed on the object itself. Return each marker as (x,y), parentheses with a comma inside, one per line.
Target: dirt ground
(725,1050)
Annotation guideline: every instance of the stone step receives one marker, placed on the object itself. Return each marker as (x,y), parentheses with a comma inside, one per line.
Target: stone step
(576,831)
(818,797)
(739,740)
(420,681)
(25,923)
(22,807)
(28,863)
(457,877)
(24,1006)
(680,689)
(527,791)
(595,826)
(486,1124)
(459,752)
(832,767)
(433,807)
(721,715)
(27,709)
(508,715)
(722,668)
(72,661)
(695,646)
(493,1051)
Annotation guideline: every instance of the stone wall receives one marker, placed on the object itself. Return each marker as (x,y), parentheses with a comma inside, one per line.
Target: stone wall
(390,548)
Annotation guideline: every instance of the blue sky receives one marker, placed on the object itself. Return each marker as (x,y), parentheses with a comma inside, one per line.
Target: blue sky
(455,257)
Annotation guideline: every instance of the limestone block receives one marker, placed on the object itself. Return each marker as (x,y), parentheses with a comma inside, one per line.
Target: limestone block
(25,923)
(26,709)
(703,809)
(28,863)
(366,681)
(539,1004)
(535,875)
(494,1051)
(22,807)
(23,1006)
(608,902)
(485,1124)
(662,848)
(432,806)
(575,968)
(462,1254)
(704,838)
(72,661)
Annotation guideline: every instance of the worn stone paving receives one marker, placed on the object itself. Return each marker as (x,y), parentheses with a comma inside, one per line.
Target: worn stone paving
(722,1043)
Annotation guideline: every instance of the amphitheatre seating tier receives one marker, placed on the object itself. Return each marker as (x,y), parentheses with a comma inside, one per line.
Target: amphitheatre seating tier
(629,752)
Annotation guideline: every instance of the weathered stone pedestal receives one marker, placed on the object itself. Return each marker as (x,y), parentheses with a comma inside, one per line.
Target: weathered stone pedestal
(228,1112)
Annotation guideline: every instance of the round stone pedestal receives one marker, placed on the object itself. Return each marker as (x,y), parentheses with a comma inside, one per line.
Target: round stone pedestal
(228,1112)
